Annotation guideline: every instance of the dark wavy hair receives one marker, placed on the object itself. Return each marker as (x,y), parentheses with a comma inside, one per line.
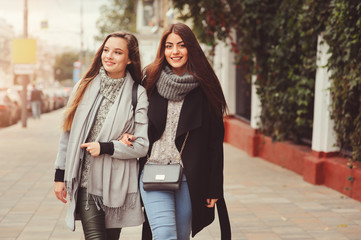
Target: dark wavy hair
(134,68)
(197,65)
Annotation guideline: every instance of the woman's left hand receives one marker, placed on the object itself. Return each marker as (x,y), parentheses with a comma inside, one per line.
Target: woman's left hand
(127,139)
(92,147)
(211,202)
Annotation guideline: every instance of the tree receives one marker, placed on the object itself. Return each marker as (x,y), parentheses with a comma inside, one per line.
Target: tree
(275,40)
(63,67)
(212,19)
(118,15)
(343,34)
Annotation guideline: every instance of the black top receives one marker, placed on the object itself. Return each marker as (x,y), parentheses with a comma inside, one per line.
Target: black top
(35,95)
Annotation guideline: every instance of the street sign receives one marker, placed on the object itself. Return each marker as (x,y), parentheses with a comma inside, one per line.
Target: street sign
(77,65)
(44,24)
(76,74)
(24,69)
(76,71)
(24,51)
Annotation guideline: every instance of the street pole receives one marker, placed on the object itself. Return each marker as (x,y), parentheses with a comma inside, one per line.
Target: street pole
(81,57)
(25,18)
(24,78)
(165,9)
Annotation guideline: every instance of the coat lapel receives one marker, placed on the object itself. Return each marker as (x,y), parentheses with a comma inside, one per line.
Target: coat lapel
(191,113)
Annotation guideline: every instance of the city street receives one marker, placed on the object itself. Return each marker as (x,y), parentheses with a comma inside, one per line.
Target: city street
(265,201)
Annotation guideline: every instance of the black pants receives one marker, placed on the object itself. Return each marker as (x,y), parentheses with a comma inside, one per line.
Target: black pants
(93,220)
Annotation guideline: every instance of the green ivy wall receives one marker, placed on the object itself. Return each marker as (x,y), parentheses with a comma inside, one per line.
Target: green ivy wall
(277,41)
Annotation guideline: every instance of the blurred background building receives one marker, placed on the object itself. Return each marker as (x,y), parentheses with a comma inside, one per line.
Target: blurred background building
(6,37)
(152,17)
(45,63)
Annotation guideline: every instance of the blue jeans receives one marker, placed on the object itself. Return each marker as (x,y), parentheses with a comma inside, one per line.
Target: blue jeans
(36,109)
(169,212)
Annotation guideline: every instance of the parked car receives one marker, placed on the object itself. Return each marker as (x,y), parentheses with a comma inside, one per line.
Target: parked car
(45,103)
(9,111)
(15,97)
(58,97)
(52,98)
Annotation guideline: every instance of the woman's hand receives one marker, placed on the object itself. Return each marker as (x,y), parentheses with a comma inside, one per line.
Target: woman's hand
(60,192)
(92,147)
(127,139)
(211,202)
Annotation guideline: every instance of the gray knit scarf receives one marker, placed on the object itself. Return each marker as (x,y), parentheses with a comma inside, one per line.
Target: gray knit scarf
(174,87)
(109,87)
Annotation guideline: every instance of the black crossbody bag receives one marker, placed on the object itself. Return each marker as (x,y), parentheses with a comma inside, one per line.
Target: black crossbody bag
(163,176)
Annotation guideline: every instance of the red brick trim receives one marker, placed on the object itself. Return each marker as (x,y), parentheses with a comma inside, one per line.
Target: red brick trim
(328,169)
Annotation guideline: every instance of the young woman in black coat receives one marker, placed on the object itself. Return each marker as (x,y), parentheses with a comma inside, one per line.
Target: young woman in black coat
(185,96)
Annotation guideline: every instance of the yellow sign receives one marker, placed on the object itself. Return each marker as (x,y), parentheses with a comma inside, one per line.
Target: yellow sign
(44,24)
(24,51)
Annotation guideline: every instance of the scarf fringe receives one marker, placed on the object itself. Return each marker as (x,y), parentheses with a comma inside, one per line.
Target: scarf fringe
(129,203)
(70,186)
(130,200)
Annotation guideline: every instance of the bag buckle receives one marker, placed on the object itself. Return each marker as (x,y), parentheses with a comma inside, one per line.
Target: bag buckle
(160,177)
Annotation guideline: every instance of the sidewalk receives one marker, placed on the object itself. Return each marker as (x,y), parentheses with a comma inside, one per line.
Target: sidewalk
(265,201)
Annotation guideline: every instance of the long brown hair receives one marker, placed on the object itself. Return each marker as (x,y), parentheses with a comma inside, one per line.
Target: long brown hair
(197,65)
(134,69)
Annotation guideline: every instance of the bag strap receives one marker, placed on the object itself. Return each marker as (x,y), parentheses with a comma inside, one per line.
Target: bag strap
(181,151)
(134,96)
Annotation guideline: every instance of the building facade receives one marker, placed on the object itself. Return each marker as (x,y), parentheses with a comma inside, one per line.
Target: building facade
(6,36)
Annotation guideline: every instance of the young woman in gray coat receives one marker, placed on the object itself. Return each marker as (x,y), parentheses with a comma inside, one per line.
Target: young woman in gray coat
(96,171)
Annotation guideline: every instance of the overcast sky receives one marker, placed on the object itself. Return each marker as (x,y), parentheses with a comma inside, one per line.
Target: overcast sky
(63,18)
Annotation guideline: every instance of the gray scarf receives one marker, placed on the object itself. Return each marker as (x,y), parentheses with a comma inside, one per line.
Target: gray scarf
(174,87)
(109,87)
(113,188)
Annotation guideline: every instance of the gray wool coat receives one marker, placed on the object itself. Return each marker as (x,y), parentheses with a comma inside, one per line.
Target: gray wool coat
(119,120)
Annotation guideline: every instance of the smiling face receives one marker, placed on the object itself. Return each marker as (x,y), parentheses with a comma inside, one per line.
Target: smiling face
(115,57)
(176,53)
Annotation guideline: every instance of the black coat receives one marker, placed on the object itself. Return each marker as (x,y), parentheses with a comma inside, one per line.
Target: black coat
(202,155)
